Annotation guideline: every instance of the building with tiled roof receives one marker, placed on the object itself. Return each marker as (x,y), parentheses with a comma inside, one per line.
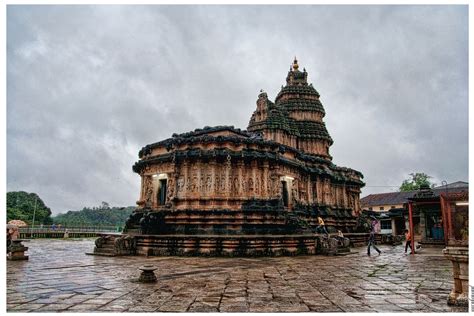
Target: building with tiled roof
(392,210)
(390,200)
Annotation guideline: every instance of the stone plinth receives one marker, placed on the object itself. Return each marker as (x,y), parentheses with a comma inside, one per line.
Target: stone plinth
(16,250)
(459,256)
(227,246)
(147,275)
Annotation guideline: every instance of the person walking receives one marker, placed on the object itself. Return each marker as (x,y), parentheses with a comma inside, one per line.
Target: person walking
(372,237)
(408,240)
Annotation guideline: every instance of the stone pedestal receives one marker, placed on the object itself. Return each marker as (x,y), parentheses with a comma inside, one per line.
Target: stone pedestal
(459,256)
(16,250)
(147,275)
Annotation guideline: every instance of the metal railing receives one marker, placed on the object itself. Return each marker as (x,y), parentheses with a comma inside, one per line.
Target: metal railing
(70,229)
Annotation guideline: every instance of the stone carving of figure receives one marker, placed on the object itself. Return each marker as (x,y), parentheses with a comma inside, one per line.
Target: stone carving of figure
(180,184)
(223,183)
(202,184)
(235,186)
(208,184)
(188,184)
(257,186)
(148,191)
(275,187)
(294,195)
(250,188)
(217,184)
(143,225)
(194,184)
(351,201)
(170,189)
(327,192)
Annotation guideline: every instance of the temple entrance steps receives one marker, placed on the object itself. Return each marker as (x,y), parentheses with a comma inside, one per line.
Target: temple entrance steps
(111,245)
(104,246)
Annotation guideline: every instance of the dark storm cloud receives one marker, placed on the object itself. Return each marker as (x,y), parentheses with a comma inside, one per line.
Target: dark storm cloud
(88,86)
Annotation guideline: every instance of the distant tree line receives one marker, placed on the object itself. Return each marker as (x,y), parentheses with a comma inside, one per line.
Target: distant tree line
(21,205)
(103,215)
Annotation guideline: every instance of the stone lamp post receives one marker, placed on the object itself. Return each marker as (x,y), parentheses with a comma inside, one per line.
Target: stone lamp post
(455,209)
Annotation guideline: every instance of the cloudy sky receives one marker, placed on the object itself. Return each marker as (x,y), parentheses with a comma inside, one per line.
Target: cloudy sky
(88,86)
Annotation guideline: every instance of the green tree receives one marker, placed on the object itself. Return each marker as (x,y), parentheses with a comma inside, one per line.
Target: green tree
(103,215)
(417,181)
(21,205)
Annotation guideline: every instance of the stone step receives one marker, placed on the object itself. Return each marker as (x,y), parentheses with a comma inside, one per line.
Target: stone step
(103,254)
(108,247)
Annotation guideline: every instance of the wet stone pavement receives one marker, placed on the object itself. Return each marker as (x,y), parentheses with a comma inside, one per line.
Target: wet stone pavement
(60,277)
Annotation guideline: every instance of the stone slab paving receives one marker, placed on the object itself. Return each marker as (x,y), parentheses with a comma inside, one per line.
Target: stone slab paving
(60,277)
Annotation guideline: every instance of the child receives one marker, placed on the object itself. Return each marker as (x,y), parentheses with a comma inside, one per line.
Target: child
(408,240)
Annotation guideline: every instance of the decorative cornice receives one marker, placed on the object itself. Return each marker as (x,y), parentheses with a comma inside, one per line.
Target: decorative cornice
(323,168)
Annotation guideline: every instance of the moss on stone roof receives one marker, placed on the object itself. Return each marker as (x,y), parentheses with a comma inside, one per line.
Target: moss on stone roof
(302,105)
(296,96)
(305,90)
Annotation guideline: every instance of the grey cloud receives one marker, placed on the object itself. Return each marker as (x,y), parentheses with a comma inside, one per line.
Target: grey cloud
(88,86)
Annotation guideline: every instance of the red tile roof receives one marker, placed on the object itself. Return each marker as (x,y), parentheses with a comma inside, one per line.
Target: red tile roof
(394,198)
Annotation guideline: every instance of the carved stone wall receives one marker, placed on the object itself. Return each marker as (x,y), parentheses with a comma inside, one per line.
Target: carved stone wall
(213,184)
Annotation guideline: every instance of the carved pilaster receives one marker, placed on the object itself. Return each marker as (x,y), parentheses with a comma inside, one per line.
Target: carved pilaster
(171,190)
(142,188)
(187,180)
(240,167)
(200,176)
(228,166)
(265,179)
(148,191)
(212,165)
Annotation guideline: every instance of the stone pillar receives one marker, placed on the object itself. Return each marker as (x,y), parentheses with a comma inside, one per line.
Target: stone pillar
(459,256)
(422,226)
(394,227)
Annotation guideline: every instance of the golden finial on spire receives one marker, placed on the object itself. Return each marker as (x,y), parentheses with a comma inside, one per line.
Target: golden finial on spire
(295,64)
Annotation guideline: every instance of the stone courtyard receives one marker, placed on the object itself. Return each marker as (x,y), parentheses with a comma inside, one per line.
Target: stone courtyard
(60,277)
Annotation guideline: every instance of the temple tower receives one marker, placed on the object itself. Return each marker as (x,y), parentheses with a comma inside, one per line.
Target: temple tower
(296,117)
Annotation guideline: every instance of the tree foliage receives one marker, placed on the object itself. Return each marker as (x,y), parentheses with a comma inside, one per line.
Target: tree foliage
(417,181)
(104,215)
(21,205)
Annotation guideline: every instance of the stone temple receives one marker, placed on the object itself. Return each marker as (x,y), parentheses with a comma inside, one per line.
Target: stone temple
(226,191)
